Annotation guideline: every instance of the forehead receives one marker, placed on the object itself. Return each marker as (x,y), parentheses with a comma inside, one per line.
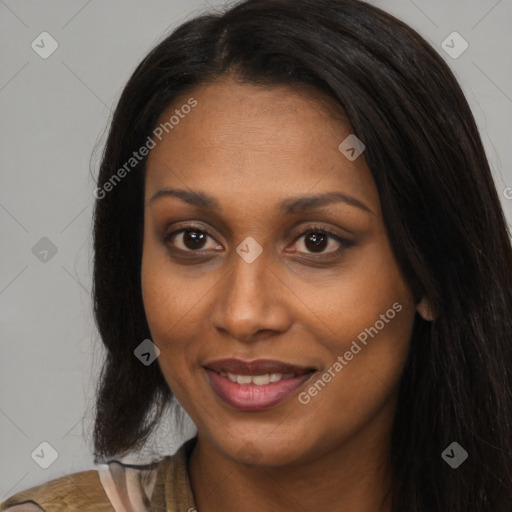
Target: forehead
(252,142)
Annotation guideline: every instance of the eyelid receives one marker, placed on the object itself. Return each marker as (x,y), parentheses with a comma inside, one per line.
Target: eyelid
(344,242)
(189,227)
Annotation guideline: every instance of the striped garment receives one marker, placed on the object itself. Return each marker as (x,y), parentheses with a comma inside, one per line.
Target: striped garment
(114,487)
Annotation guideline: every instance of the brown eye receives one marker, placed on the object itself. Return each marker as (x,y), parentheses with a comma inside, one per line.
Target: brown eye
(190,239)
(317,241)
(194,239)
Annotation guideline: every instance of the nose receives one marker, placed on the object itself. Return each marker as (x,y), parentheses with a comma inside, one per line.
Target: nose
(251,301)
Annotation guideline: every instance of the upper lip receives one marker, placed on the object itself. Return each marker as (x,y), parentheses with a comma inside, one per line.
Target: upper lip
(256,367)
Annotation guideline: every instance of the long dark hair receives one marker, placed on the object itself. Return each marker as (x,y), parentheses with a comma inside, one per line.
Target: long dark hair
(440,207)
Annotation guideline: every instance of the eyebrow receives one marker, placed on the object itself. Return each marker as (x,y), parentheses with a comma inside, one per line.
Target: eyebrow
(288,206)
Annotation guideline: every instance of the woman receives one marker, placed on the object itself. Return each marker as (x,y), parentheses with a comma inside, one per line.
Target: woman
(298,238)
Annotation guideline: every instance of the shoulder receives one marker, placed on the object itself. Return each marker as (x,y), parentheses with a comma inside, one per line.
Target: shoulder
(114,486)
(77,491)
(110,487)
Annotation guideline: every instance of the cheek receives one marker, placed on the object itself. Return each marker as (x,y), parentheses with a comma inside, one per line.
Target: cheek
(175,311)
(168,297)
(166,302)
(339,305)
(166,313)
(363,365)
(367,314)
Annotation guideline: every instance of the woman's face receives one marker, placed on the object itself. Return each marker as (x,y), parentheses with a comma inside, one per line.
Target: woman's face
(313,329)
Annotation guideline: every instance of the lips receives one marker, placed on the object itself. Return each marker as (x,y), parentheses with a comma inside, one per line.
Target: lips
(255,385)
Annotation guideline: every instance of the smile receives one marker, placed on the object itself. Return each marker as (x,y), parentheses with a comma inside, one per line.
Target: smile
(256,385)
(259,380)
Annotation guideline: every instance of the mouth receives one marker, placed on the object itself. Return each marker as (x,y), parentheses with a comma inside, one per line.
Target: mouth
(255,385)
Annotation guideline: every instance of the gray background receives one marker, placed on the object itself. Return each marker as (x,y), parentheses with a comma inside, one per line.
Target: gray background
(54,113)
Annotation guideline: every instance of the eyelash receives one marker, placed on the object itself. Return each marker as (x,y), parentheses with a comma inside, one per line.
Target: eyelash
(345,244)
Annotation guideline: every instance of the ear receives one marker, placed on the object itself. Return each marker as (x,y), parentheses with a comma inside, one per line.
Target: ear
(425,310)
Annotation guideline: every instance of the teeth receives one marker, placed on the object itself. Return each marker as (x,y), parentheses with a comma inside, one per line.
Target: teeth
(259,380)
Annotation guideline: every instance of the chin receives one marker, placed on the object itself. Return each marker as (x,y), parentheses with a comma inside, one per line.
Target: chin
(260,450)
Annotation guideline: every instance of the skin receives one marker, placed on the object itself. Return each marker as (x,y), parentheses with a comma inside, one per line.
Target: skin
(250,147)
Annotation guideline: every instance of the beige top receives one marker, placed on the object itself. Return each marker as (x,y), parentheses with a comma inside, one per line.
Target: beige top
(115,486)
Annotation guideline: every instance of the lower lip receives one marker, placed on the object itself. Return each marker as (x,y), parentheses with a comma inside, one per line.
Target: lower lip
(250,397)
